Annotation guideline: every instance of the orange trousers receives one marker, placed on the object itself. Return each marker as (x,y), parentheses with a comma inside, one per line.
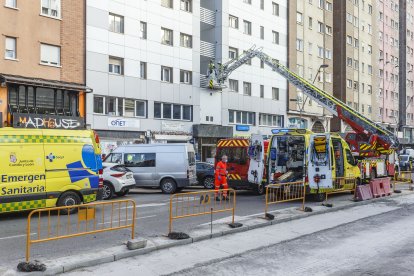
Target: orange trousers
(220,183)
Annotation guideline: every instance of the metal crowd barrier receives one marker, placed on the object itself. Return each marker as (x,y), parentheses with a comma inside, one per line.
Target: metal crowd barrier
(403,178)
(73,221)
(342,185)
(284,192)
(194,204)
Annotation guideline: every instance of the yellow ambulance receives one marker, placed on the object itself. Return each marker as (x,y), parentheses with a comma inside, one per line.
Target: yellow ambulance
(48,167)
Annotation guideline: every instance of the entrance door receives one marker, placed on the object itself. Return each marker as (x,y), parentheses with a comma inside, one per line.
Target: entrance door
(256,153)
(320,166)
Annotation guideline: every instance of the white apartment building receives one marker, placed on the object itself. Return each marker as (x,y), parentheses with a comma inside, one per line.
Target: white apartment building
(147,60)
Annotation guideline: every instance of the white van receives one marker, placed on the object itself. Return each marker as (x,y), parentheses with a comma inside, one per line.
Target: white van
(168,166)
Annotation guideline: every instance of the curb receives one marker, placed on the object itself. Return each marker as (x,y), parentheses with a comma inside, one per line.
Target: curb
(121,252)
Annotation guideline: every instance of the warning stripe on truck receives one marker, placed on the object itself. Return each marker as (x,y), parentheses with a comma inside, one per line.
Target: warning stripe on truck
(233,143)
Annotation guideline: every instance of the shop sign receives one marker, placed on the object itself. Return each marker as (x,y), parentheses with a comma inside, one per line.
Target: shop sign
(47,121)
(242,128)
(123,123)
(172,126)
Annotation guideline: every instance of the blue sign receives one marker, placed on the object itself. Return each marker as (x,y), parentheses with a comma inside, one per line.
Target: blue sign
(242,128)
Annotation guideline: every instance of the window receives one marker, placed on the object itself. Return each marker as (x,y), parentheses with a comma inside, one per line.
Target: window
(328,30)
(166,36)
(116,23)
(321,3)
(166,74)
(140,109)
(11,3)
(51,8)
(50,54)
(261,32)
(270,120)
(143,70)
(233,53)
(234,85)
(186,40)
(328,6)
(310,46)
(321,28)
(143,30)
(310,21)
(299,44)
(349,83)
(299,18)
(247,1)
(356,43)
(261,64)
(242,117)
(247,88)
(10,49)
(167,3)
(261,91)
(320,52)
(369,9)
(186,5)
(186,77)
(262,4)
(349,157)
(98,104)
(275,9)
(233,22)
(349,39)
(370,69)
(275,93)
(172,111)
(116,65)
(328,54)
(369,49)
(328,77)
(111,106)
(142,160)
(114,158)
(369,109)
(369,89)
(247,27)
(249,62)
(275,37)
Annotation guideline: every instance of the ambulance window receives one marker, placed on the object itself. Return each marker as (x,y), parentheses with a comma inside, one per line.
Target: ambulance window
(114,158)
(139,160)
(349,157)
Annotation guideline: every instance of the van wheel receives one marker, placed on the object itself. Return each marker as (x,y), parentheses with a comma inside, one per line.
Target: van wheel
(168,186)
(68,199)
(260,189)
(208,182)
(107,191)
(319,197)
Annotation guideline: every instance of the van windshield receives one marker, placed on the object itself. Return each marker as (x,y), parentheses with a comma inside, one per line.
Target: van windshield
(191,158)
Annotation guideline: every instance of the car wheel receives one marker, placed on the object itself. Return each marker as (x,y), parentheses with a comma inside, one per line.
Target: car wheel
(260,189)
(208,182)
(68,199)
(122,192)
(168,186)
(107,191)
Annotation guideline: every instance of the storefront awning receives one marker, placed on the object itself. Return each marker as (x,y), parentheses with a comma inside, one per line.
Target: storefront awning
(4,78)
(172,137)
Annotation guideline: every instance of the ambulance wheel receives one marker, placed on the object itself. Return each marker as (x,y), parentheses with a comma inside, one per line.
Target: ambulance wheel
(319,197)
(260,189)
(208,182)
(168,186)
(68,199)
(107,191)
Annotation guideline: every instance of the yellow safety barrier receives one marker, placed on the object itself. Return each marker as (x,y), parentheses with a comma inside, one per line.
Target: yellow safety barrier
(342,185)
(283,192)
(403,178)
(85,219)
(201,203)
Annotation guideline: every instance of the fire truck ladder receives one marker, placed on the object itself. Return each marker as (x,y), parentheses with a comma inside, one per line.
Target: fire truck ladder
(383,139)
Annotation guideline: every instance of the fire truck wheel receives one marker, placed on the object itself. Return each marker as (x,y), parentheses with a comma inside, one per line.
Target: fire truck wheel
(260,189)
(319,197)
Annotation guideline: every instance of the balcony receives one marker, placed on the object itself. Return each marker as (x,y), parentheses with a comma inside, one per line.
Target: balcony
(207,16)
(207,49)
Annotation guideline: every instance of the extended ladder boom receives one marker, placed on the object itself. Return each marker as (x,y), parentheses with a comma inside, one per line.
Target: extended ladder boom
(359,123)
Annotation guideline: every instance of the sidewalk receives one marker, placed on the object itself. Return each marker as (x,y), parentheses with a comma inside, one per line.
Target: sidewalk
(190,254)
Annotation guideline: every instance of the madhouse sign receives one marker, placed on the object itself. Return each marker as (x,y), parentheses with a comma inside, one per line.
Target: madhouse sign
(47,121)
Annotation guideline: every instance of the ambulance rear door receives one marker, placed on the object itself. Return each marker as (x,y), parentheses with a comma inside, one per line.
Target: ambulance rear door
(321,165)
(256,154)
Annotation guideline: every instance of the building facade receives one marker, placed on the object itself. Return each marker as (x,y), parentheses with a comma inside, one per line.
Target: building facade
(310,55)
(42,77)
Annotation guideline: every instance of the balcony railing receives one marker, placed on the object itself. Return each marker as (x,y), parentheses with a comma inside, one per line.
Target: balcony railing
(207,49)
(207,16)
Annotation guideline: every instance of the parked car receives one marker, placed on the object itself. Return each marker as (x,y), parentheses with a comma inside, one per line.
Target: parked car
(117,180)
(170,167)
(205,174)
(405,162)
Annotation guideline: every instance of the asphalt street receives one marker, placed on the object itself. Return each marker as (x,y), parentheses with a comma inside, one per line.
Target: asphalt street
(152,221)
(381,245)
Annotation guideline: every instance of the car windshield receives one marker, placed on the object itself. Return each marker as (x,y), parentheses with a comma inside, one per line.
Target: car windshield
(404,158)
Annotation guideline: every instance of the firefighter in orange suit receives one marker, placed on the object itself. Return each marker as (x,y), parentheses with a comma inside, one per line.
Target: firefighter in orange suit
(221,177)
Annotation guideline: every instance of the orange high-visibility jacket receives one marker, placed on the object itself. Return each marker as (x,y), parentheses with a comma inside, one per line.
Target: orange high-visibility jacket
(221,168)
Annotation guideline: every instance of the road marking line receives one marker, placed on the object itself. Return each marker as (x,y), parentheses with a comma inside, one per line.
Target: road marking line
(145,205)
(17,236)
(122,220)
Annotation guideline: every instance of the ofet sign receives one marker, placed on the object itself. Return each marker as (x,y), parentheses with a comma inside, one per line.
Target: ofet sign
(123,123)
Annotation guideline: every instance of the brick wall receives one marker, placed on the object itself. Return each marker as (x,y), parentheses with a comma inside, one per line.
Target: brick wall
(73,41)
